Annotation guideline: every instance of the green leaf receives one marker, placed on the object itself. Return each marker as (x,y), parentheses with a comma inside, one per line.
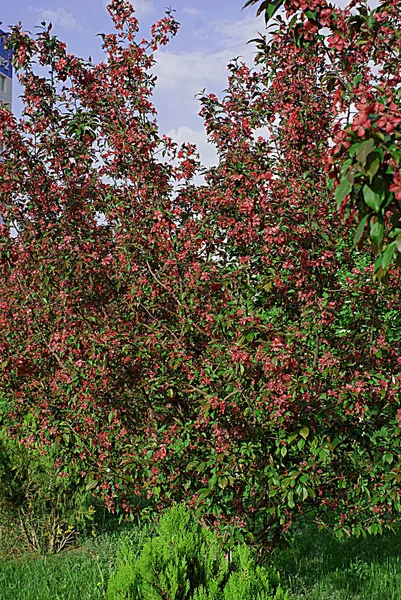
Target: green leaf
(364,150)
(223,482)
(374,194)
(360,228)
(353,149)
(304,432)
(378,263)
(342,190)
(388,457)
(272,8)
(373,168)
(290,497)
(269,6)
(311,14)
(203,493)
(376,232)
(388,255)
(283,451)
(356,531)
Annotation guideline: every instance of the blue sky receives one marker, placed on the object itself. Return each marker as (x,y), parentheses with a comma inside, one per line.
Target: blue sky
(212,32)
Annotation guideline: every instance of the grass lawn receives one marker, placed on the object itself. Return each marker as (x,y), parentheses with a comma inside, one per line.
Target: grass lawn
(78,574)
(73,576)
(316,567)
(320,567)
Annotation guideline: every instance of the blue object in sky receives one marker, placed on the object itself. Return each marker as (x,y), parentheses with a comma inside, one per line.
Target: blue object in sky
(5,57)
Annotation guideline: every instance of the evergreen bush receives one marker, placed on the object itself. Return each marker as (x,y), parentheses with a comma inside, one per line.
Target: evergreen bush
(186,561)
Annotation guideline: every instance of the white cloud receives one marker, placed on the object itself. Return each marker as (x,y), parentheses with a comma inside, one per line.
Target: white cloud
(143,8)
(59,16)
(261,132)
(232,35)
(190,71)
(194,12)
(182,75)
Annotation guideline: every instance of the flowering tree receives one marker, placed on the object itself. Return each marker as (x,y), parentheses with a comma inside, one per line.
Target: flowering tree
(361,49)
(221,343)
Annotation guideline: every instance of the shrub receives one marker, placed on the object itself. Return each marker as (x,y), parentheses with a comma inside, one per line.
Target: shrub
(186,561)
(41,511)
(124,584)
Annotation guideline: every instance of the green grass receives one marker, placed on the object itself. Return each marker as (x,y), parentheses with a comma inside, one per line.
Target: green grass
(320,567)
(78,574)
(316,567)
(66,577)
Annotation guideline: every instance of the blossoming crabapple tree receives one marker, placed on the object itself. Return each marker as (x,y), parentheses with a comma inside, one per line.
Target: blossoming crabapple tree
(222,343)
